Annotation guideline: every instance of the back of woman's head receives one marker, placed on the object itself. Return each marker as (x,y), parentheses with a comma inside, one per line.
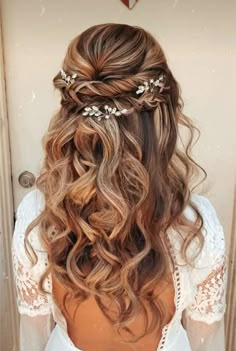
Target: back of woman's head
(113,186)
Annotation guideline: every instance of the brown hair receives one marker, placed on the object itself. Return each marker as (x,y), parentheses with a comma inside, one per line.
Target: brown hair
(113,188)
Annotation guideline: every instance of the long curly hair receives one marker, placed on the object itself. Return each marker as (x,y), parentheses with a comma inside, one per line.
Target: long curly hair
(114,187)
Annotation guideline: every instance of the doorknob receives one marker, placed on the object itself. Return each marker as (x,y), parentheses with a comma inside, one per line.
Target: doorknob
(26,179)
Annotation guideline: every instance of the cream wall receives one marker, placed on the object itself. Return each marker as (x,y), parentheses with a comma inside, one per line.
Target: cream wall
(198,38)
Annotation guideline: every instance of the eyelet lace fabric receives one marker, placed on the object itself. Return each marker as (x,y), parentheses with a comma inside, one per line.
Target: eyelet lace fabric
(200,291)
(176,276)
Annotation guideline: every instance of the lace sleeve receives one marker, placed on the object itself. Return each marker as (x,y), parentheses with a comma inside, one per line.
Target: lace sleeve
(209,276)
(34,307)
(209,301)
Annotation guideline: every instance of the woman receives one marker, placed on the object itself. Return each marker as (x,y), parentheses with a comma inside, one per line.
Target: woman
(113,250)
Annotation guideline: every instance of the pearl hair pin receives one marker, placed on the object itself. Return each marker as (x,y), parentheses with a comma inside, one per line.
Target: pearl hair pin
(109,111)
(146,86)
(151,84)
(67,78)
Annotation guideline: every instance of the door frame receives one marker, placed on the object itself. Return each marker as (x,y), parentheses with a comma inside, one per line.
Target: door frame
(230,317)
(6,198)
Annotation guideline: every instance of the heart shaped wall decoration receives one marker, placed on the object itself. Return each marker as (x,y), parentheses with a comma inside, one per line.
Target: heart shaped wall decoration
(130,3)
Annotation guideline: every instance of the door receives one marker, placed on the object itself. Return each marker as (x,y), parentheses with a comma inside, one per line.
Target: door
(8,316)
(198,38)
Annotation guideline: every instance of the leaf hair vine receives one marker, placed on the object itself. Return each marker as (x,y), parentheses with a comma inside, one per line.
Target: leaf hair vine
(67,78)
(150,84)
(108,111)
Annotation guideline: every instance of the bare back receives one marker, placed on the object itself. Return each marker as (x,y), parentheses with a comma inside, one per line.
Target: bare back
(90,330)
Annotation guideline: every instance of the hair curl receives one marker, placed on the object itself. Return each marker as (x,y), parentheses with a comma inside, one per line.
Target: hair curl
(113,188)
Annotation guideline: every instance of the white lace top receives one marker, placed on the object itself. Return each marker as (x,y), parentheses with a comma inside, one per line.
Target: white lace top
(199,291)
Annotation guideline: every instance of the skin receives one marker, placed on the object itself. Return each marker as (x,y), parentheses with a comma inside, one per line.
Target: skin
(91,331)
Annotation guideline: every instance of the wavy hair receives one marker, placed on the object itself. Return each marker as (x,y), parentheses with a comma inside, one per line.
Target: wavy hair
(114,187)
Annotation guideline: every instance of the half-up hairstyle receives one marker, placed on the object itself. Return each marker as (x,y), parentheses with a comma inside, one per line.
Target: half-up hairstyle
(114,187)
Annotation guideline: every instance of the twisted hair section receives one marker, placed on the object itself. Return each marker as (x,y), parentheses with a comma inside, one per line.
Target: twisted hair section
(113,188)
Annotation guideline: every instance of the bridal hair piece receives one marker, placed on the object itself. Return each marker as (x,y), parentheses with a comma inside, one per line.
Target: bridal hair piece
(67,78)
(108,111)
(151,84)
(147,85)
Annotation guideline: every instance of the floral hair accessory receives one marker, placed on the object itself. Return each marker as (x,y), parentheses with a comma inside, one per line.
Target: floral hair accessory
(146,86)
(107,113)
(151,84)
(67,78)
